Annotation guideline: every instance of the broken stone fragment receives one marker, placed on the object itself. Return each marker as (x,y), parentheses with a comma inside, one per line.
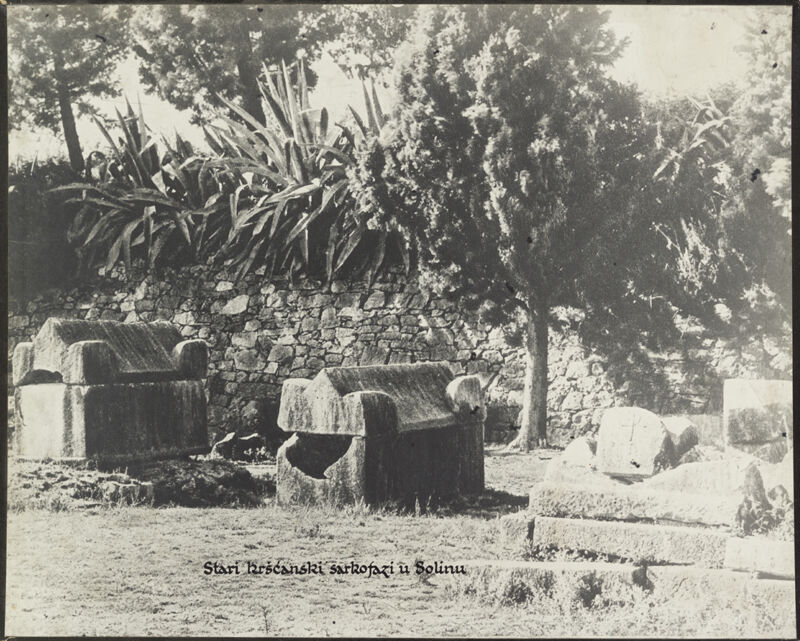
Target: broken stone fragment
(770,452)
(191,358)
(683,433)
(131,492)
(223,448)
(775,474)
(632,443)
(466,397)
(700,454)
(577,464)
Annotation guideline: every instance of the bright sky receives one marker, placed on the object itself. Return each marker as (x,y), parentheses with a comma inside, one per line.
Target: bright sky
(673,50)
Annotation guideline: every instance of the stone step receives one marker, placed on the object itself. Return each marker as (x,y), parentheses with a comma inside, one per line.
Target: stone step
(774,558)
(543,578)
(635,541)
(632,503)
(771,602)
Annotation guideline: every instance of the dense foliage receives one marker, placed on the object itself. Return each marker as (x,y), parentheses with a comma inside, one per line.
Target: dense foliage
(39,255)
(275,195)
(517,167)
(726,171)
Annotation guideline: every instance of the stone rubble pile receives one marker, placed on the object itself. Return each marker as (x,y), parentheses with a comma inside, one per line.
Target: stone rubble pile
(33,483)
(55,486)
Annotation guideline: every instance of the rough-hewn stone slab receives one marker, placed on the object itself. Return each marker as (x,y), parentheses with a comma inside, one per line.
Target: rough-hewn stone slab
(771,557)
(111,421)
(517,526)
(771,601)
(725,476)
(757,417)
(635,541)
(631,503)
(724,587)
(142,351)
(578,464)
(543,578)
(633,443)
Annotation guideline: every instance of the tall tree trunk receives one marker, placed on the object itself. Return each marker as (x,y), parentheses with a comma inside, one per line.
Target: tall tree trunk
(68,121)
(533,431)
(248,75)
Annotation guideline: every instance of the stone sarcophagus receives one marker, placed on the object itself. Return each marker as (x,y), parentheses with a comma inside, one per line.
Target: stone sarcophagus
(380,433)
(106,390)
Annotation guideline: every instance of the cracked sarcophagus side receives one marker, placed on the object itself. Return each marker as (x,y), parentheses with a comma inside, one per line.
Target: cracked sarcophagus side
(381,433)
(107,390)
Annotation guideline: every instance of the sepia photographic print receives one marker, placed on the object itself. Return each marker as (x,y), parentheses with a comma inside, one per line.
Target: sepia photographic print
(399,320)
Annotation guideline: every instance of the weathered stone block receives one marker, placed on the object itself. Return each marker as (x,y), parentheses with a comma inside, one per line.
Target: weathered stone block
(632,503)
(634,541)
(775,558)
(633,443)
(108,422)
(683,433)
(518,526)
(726,476)
(615,581)
(758,413)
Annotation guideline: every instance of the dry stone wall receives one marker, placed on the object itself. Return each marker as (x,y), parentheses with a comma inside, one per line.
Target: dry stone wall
(260,333)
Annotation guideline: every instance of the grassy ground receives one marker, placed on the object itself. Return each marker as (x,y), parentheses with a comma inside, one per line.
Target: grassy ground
(140,571)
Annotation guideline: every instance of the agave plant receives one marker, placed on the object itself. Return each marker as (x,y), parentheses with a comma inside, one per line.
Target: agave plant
(143,204)
(293,209)
(703,139)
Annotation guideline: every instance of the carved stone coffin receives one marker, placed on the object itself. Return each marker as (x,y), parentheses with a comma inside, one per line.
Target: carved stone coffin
(381,433)
(106,390)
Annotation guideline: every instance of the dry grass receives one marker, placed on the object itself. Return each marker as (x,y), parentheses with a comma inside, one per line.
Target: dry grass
(139,571)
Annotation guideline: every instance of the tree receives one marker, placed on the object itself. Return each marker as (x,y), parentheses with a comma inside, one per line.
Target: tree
(59,58)
(364,38)
(190,52)
(519,170)
(758,214)
(726,168)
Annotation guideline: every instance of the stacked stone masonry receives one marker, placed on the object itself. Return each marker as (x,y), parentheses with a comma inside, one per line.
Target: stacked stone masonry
(261,333)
